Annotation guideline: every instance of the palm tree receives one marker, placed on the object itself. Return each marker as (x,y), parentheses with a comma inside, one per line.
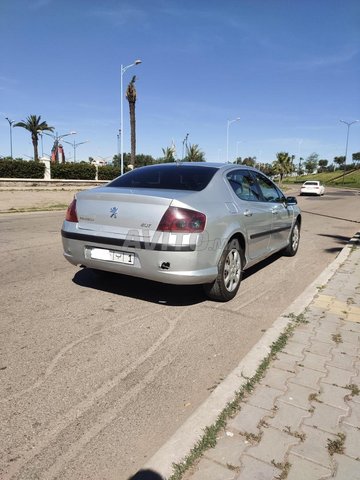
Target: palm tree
(168,154)
(34,125)
(283,164)
(194,154)
(131,96)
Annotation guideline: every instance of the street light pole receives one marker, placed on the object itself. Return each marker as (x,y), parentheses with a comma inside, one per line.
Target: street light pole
(57,139)
(183,145)
(122,71)
(229,122)
(10,125)
(75,145)
(347,142)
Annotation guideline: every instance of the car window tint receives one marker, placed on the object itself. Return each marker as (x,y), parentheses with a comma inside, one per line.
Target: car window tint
(168,177)
(243,185)
(269,190)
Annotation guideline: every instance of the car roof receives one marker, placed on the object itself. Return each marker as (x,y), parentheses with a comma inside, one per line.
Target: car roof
(218,165)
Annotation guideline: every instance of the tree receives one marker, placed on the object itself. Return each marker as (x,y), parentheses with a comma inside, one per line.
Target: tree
(131,97)
(356,158)
(323,164)
(249,161)
(311,162)
(268,169)
(283,164)
(194,154)
(339,160)
(34,125)
(168,154)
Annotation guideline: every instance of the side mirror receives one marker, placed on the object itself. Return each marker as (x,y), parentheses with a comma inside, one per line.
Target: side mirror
(291,201)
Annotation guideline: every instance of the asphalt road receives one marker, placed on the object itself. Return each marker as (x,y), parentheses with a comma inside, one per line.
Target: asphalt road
(97,371)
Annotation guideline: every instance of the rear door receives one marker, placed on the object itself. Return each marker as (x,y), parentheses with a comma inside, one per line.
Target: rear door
(254,215)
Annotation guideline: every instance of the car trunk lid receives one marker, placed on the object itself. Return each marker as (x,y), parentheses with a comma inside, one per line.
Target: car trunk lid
(120,211)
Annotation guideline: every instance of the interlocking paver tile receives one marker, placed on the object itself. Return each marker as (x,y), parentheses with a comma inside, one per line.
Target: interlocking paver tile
(330,319)
(301,336)
(288,416)
(294,348)
(206,469)
(323,336)
(337,376)
(314,447)
(248,418)
(333,395)
(277,378)
(286,362)
(302,469)
(308,378)
(350,337)
(253,469)
(326,417)
(228,450)
(351,327)
(315,362)
(347,468)
(347,348)
(298,396)
(352,441)
(343,361)
(273,445)
(354,417)
(264,397)
(320,348)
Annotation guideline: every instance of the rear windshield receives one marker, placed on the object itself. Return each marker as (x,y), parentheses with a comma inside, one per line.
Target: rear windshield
(168,177)
(311,183)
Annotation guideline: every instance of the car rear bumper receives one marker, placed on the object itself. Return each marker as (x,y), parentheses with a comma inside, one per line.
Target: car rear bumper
(178,265)
(311,192)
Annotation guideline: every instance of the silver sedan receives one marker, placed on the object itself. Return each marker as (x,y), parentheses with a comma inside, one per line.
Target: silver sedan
(182,223)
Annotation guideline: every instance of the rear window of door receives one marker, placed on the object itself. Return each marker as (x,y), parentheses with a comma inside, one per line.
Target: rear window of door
(269,191)
(243,185)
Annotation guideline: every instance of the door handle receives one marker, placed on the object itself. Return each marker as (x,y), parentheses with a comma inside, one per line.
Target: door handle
(248,213)
(274,211)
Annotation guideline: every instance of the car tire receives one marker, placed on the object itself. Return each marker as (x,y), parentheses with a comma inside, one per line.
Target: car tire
(228,280)
(294,240)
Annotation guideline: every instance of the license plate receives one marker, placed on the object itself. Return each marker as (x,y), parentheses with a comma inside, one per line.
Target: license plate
(112,256)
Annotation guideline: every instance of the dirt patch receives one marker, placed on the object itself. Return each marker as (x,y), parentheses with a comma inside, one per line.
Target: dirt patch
(12,200)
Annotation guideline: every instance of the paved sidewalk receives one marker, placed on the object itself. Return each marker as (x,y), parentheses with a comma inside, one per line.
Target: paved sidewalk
(302,422)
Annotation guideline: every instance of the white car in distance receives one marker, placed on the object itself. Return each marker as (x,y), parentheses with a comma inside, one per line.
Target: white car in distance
(312,187)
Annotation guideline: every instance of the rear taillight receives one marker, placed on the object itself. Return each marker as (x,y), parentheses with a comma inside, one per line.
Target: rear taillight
(182,220)
(71,215)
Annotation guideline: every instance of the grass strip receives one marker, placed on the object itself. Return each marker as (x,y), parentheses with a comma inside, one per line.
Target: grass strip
(209,439)
(49,208)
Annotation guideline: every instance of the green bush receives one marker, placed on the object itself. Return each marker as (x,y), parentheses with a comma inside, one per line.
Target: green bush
(73,171)
(21,169)
(108,173)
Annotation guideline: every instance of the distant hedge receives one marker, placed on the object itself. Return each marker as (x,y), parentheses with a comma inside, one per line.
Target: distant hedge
(73,171)
(59,171)
(108,173)
(21,169)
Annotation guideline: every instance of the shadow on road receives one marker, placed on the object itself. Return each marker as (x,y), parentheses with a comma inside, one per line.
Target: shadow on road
(339,239)
(154,292)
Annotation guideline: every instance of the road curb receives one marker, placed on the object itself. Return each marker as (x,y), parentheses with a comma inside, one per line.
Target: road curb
(184,439)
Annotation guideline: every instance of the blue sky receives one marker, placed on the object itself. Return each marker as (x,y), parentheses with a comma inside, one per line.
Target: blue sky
(289,69)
